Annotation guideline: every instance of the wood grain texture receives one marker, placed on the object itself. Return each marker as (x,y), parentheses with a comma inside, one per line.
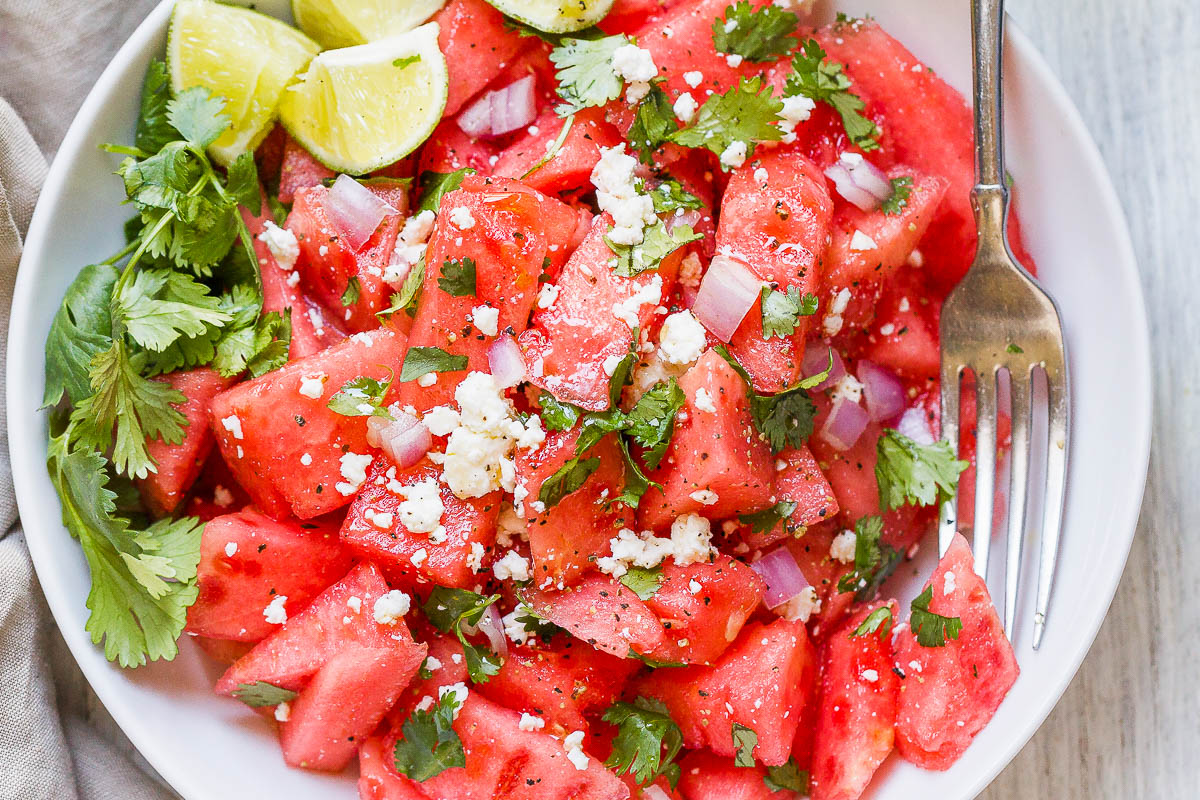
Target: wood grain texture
(1125,727)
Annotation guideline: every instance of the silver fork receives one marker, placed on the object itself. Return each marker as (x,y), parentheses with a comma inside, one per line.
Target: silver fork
(998,319)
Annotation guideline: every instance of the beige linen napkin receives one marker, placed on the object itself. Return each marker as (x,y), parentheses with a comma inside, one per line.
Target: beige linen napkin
(51,744)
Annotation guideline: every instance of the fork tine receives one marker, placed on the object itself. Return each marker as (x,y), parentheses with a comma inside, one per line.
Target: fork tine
(985,466)
(948,514)
(1056,477)
(1018,491)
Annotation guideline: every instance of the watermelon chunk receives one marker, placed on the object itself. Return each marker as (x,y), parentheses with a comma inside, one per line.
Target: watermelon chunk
(571,168)
(605,614)
(509,231)
(289,450)
(559,682)
(783,244)
(344,703)
(180,464)
(469,524)
(573,336)
(706,776)
(763,682)
(800,481)
(859,696)
(448,149)
(378,779)
(703,607)
(339,617)
(477,45)
(299,170)
(247,558)
(950,693)
(716,464)
(904,335)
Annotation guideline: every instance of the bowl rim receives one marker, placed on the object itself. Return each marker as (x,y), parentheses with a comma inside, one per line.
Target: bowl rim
(155,25)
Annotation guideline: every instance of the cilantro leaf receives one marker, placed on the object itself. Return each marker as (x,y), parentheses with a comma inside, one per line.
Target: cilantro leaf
(918,474)
(787,778)
(436,185)
(757,34)
(785,419)
(261,694)
(153,128)
(458,278)
(159,306)
(534,623)
(241,181)
(428,744)
(746,113)
(567,479)
(198,115)
(142,581)
(452,609)
(670,196)
(585,74)
(744,740)
(81,329)
(623,373)
(651,422)
(643,582)
(657,244)
(825,82)
(258,345)
(647,741)
(557,415)
(879,620)
(898,199)
(636,482)
(423,360)
(874,561)
(764,521)
(352,293)
(410,291)
(361,397)
(781,311)
(932,629)
(653,124)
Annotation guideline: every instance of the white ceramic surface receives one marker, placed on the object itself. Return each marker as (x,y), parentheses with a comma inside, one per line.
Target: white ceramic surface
(209,748)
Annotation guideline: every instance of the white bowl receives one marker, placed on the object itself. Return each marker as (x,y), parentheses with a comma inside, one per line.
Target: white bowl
(210,748)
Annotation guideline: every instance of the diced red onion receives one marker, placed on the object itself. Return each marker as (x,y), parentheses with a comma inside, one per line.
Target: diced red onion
(846,422)
(405,440)
(653,792)
(506,362)
(859,181)
(882,390)
(491,626)
(690,217)
(816,359)
(500,111)
(727,293)
(914,423)
(354,211)
(783,576)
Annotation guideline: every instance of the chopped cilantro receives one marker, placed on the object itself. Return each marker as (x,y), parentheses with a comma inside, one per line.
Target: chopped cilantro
(436,185)
(428,744)
(787,778)
(647,741)
(585,74)
(449,610)
(670,196)
(918,474)
(458,277)
(361,397)
(757,34)
(643,582)
(932,629)
(826,82)
(567,479)
(556,415)
(874,561)
(898,199)
(261,694)
(657,244)
(764,521)
(651,422)
(746,113)
(781,311)
(1014,348)
(423,360)
(744,740)
(653,124)
(879,620)
(410,291)
(352,293)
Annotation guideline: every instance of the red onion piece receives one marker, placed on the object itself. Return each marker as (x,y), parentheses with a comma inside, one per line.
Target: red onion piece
(405,440)
(783,576)
(500,111)
(506,362)
(653,792)
(914,423)
(859,181)
(476,119)
(354,211)
(846,422)
(727,293)
(491,626)
(882,390)
(816,359)
(690,217)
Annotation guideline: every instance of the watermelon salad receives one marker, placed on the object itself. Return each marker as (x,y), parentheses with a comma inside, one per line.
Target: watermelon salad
(569,456)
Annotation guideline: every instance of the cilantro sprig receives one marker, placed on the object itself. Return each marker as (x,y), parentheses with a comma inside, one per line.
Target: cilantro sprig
(878,621)
(585,74)
(428,745)
(787,777)
(261,694)
(765,521)
(874,561)
(781,310)
(757,34)
(744,741)
(451,609)
(784,419)
(898,199)
(932,630)
(361,397)
(647,741)
(746,113)
(458,277)
(825,81)
(913,473)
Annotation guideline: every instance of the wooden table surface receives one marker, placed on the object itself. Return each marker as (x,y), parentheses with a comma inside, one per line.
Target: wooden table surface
(1125,727)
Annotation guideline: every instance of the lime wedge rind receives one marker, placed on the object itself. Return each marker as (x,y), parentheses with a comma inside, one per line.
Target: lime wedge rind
(555,16)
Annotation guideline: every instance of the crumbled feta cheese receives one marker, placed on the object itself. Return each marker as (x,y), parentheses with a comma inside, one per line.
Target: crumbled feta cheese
(354,602)
(354,470)
(689,543)
(441,420)
(425,703)
(731,25)
(510,528)
(842,547)
(685,107)
(705,497)
(422,508)
(293,280)
(693,78)
(796,109)
(861,242)
(282,244)
(904,305)
(848,387)
(617,193)
(800,607)
(427,380)
(870,675)
(283,712)
(704,401)
(530,723)
(306,460)
(648,294)
(611,363)
(475,557)
(432,664)
(533,435)
(573,744)
(761,175)
(733,60)
(636,67)
(694,586)
(513,628)
(318,321)
(410,246)
(231,550)
(948,586)
(486,319)
(481,444)
(734,156)
(222,496)
(312,386)
(547,295)
(419,557)
(275,613)
(682,338)
(233,425)
(461,218)
(513,566)
(832,323)
(916,259)
(390,608)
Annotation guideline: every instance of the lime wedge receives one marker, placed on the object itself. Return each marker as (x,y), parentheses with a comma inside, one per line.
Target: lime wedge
(345,23)
(361,108)
(555,16)
(241,55)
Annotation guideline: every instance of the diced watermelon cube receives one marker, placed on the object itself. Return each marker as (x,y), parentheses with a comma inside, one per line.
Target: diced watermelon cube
(414,557)
(299,170)
(800,481)
(782,240)
(705,776)
(859,696)
(247,558)
(377,777)
(950,693)
(716,464)
(344,703)
(762,682)
(477,45)
(289,450)
(904,334)
(703,606)
(448,149)
(339,617)
(603,613)
(510,231)
(178,465)
(559,682)
(571,168)
(566,538)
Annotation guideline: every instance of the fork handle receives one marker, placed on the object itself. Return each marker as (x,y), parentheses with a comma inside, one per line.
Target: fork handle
(990,196)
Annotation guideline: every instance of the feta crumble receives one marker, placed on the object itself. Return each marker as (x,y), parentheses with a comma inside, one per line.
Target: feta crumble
(233,424)
(573,745)
(231,549)
(513,566)
(530,723)
(861,242)
(636,67)
(547,295)
(800,607)
(390,608)
(648,294)
(427,380)
(617,193)
(685,107)
(475,557)
(312,386)
(282,244)
(275,613)
(848,387)
(682,338)
(422,509)
(704,401)
(486,319)
(283,712)
(461,218)
(796,109)
(354,470)
(734,156)
(693,78)
(842,547)
(705,497)
(410,246)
